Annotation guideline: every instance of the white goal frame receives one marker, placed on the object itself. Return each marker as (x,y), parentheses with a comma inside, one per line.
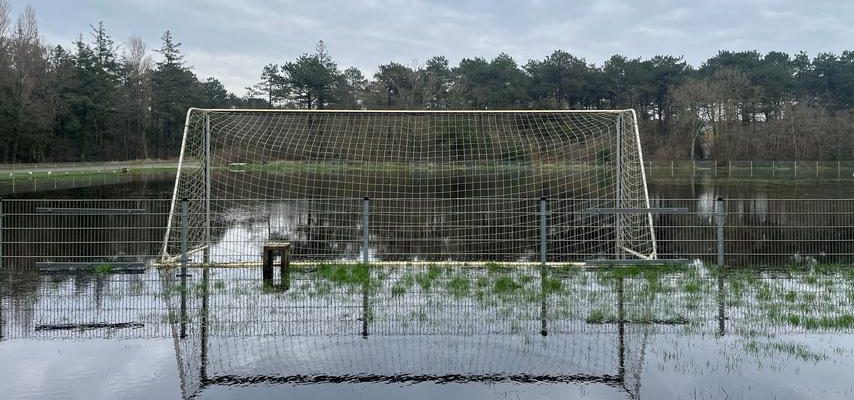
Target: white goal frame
(166,257)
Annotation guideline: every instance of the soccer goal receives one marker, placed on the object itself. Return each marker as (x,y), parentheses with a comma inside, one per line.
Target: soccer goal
(411,185)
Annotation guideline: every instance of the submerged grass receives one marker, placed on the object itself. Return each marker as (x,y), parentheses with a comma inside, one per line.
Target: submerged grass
(750,300)
(104,269)
(838,322)
(345,274)
(459,286)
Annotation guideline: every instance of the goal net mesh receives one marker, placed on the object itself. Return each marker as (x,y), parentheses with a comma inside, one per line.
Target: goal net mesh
(463,186)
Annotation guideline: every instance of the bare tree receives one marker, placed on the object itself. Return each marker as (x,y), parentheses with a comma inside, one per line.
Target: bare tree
(137,67)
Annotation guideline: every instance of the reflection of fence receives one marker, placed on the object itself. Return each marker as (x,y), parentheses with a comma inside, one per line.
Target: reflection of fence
(753,169)
(93,233)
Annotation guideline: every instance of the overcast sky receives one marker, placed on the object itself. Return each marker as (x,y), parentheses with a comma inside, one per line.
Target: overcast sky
(232,39)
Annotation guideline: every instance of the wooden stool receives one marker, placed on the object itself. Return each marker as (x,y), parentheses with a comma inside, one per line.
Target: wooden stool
(269,253)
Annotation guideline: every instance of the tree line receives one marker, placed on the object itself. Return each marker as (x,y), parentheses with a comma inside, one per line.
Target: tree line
(101,101)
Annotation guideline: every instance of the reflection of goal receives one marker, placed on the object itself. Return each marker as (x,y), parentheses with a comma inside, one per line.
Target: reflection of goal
(229,330)
(442,185)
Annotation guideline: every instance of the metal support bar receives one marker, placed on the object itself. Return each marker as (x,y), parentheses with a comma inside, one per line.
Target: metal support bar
(366,210)
(1,233)
(88,211)
(618,228)
(666,210)
(607,262)
(720,214)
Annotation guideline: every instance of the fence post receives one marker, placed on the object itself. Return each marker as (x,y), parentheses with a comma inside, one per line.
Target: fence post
(720,214)
(543,230)
(1,233)
(208,178)
(773,169)
(671,168)
(816,169)
(751,169)
(543,241)
(366,210)
(838,174)
(729,168)
(185,221)
(185,218)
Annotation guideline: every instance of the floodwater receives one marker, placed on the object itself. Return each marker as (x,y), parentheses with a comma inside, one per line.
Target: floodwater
(419,331)
(427,330)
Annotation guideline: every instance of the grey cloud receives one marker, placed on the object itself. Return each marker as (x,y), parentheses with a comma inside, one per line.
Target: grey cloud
(232,40)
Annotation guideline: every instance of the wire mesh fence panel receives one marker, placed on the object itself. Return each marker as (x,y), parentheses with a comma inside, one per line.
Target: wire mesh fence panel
(81,232)
(117,234)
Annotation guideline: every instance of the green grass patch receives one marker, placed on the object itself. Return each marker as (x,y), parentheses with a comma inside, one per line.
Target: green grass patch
(506,284)
(459,286)
(596,316)
(551,285)
(345,274)
(845,321)
(104,269)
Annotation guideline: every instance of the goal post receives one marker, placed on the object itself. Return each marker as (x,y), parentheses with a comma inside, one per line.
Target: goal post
(443,185)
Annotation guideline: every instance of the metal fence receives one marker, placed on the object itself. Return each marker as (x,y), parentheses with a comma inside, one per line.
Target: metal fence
(61,234)
(752,169)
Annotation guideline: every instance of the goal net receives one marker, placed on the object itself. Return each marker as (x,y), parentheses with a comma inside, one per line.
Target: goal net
(411,185)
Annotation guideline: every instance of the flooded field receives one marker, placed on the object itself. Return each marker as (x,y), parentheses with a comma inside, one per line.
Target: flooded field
(428,330)
(418,327)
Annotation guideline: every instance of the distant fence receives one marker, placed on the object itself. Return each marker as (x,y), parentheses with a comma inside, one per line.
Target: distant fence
(23,168)
(50,234)
(753,169)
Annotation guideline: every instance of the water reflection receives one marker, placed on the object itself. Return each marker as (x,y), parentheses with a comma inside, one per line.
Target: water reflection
(633,331)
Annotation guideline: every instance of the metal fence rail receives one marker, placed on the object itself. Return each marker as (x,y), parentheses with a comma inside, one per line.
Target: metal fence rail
(752,169)
(111,232)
